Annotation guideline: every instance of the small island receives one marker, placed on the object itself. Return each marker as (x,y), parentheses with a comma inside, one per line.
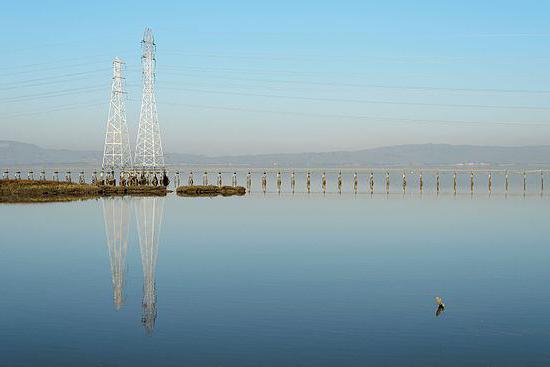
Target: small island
(211,190)
(31,191)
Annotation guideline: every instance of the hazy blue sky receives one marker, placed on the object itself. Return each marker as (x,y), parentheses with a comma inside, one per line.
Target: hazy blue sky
(248,77)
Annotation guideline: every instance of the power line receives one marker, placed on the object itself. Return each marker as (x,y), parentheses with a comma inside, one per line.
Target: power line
(346,116)
(382,86)
(62,92)
(366,101)
(53,79)
(71,106)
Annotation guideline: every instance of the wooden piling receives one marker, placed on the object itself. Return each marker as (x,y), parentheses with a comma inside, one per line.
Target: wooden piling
(506,181)
(454,182)
(264,182)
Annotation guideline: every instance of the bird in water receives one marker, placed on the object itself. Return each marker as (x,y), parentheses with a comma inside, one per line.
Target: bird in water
(440,306)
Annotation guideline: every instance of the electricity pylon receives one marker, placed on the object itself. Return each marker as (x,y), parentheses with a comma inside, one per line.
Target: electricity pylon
(149,154)
(149,212)
(116,213)
(116,154)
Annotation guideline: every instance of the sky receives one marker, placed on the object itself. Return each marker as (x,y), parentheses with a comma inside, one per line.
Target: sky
(241,77)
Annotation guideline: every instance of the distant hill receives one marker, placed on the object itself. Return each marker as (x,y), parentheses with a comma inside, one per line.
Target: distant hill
(15,153)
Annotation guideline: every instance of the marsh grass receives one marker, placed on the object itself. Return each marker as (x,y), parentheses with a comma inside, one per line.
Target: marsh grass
(209,191)
(28,191)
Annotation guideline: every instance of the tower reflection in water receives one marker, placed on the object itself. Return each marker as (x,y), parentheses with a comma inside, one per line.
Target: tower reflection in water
(149,212)
(116,213)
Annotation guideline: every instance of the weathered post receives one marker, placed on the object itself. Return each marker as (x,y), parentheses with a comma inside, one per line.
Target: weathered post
(404,182)
(340,182)
(490,183)
(355,182)
(506,182)
(371,182)
(524,182)
(387,182)
(293,181)
(454,182)
(205,179)
(220,179)
(248,181)
(264,182)
(541,181)
(421,182)
(234,180)
(279,182)
(437,182)
(471,182)
(308,182)
(324,182)
(190,179)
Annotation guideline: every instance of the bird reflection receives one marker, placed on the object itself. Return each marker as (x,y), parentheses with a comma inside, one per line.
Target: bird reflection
(440,306)
(149,213)
(116,213)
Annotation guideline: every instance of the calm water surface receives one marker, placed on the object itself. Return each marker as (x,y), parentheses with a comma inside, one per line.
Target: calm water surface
(277,281)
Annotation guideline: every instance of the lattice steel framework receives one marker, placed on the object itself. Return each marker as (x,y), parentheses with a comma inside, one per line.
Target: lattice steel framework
(149,213)
(116,154)
(116,213)
(148,155)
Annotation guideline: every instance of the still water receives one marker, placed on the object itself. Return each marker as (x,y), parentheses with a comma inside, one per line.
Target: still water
(277,280)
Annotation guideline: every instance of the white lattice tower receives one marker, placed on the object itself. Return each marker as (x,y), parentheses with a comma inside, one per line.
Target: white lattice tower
(116,154)
(148,155)
(149,213)
(116,213)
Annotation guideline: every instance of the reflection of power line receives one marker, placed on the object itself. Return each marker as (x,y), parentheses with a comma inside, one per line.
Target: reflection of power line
(149,213)
(116,213)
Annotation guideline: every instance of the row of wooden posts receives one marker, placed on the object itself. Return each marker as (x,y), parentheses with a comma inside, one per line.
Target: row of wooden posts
(371,181)
(149,175)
